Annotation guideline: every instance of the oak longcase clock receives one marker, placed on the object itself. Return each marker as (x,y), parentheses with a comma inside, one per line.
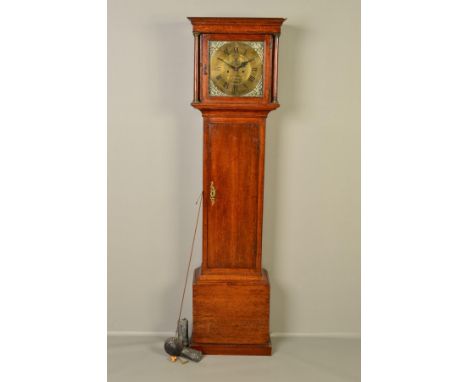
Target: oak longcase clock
(235,87)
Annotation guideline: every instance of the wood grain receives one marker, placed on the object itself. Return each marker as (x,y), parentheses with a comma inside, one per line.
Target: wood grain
(236,24)
(231,291)
(237,349)
(233,167)
(196,70)
(231,312)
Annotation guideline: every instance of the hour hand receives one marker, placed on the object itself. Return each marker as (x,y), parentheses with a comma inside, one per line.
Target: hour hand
(227,63)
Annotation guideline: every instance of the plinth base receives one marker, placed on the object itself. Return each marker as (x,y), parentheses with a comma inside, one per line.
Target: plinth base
(231,316)
(227,349)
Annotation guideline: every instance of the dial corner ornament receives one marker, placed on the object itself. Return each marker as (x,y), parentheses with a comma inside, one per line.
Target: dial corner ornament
(236,68)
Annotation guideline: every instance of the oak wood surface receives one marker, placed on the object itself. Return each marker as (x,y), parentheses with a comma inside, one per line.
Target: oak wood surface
(196,69)
(231,312)
(236,24)
(231,291)
(233,160)
(234,349)
(274,97)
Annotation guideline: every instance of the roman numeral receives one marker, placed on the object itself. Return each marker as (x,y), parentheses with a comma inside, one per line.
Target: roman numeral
(254,69)
(252,78)
(236,49)
(226,51)
(218,77)
(235,88)
(225,85)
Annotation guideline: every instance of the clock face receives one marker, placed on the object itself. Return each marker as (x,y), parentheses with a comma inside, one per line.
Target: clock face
(236,68)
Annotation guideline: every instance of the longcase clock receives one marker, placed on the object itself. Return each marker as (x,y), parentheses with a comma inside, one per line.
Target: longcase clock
(235,87)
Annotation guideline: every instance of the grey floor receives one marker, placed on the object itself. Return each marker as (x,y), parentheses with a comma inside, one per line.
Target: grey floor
(142,359)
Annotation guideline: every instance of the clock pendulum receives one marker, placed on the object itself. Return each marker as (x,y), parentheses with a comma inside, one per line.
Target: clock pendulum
(235,87)
(178,346)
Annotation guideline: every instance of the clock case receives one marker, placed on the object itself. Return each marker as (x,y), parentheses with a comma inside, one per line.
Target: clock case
(231,291)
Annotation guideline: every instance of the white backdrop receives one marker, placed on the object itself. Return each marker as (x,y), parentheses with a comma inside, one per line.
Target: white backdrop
(311,242)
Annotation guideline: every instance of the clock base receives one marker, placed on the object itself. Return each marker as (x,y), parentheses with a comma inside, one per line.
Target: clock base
(231,349)
(231,316)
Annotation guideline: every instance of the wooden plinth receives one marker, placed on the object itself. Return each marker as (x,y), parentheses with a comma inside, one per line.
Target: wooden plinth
(219,349)
(231,316)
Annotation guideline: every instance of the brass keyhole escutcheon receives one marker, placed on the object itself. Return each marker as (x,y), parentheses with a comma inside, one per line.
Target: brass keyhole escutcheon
(212,193)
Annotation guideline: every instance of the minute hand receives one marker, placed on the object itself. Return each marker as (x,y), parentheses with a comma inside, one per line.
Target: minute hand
(245,63)
(227,63)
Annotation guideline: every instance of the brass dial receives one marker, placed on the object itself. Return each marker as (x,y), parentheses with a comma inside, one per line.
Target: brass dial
(236,68)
